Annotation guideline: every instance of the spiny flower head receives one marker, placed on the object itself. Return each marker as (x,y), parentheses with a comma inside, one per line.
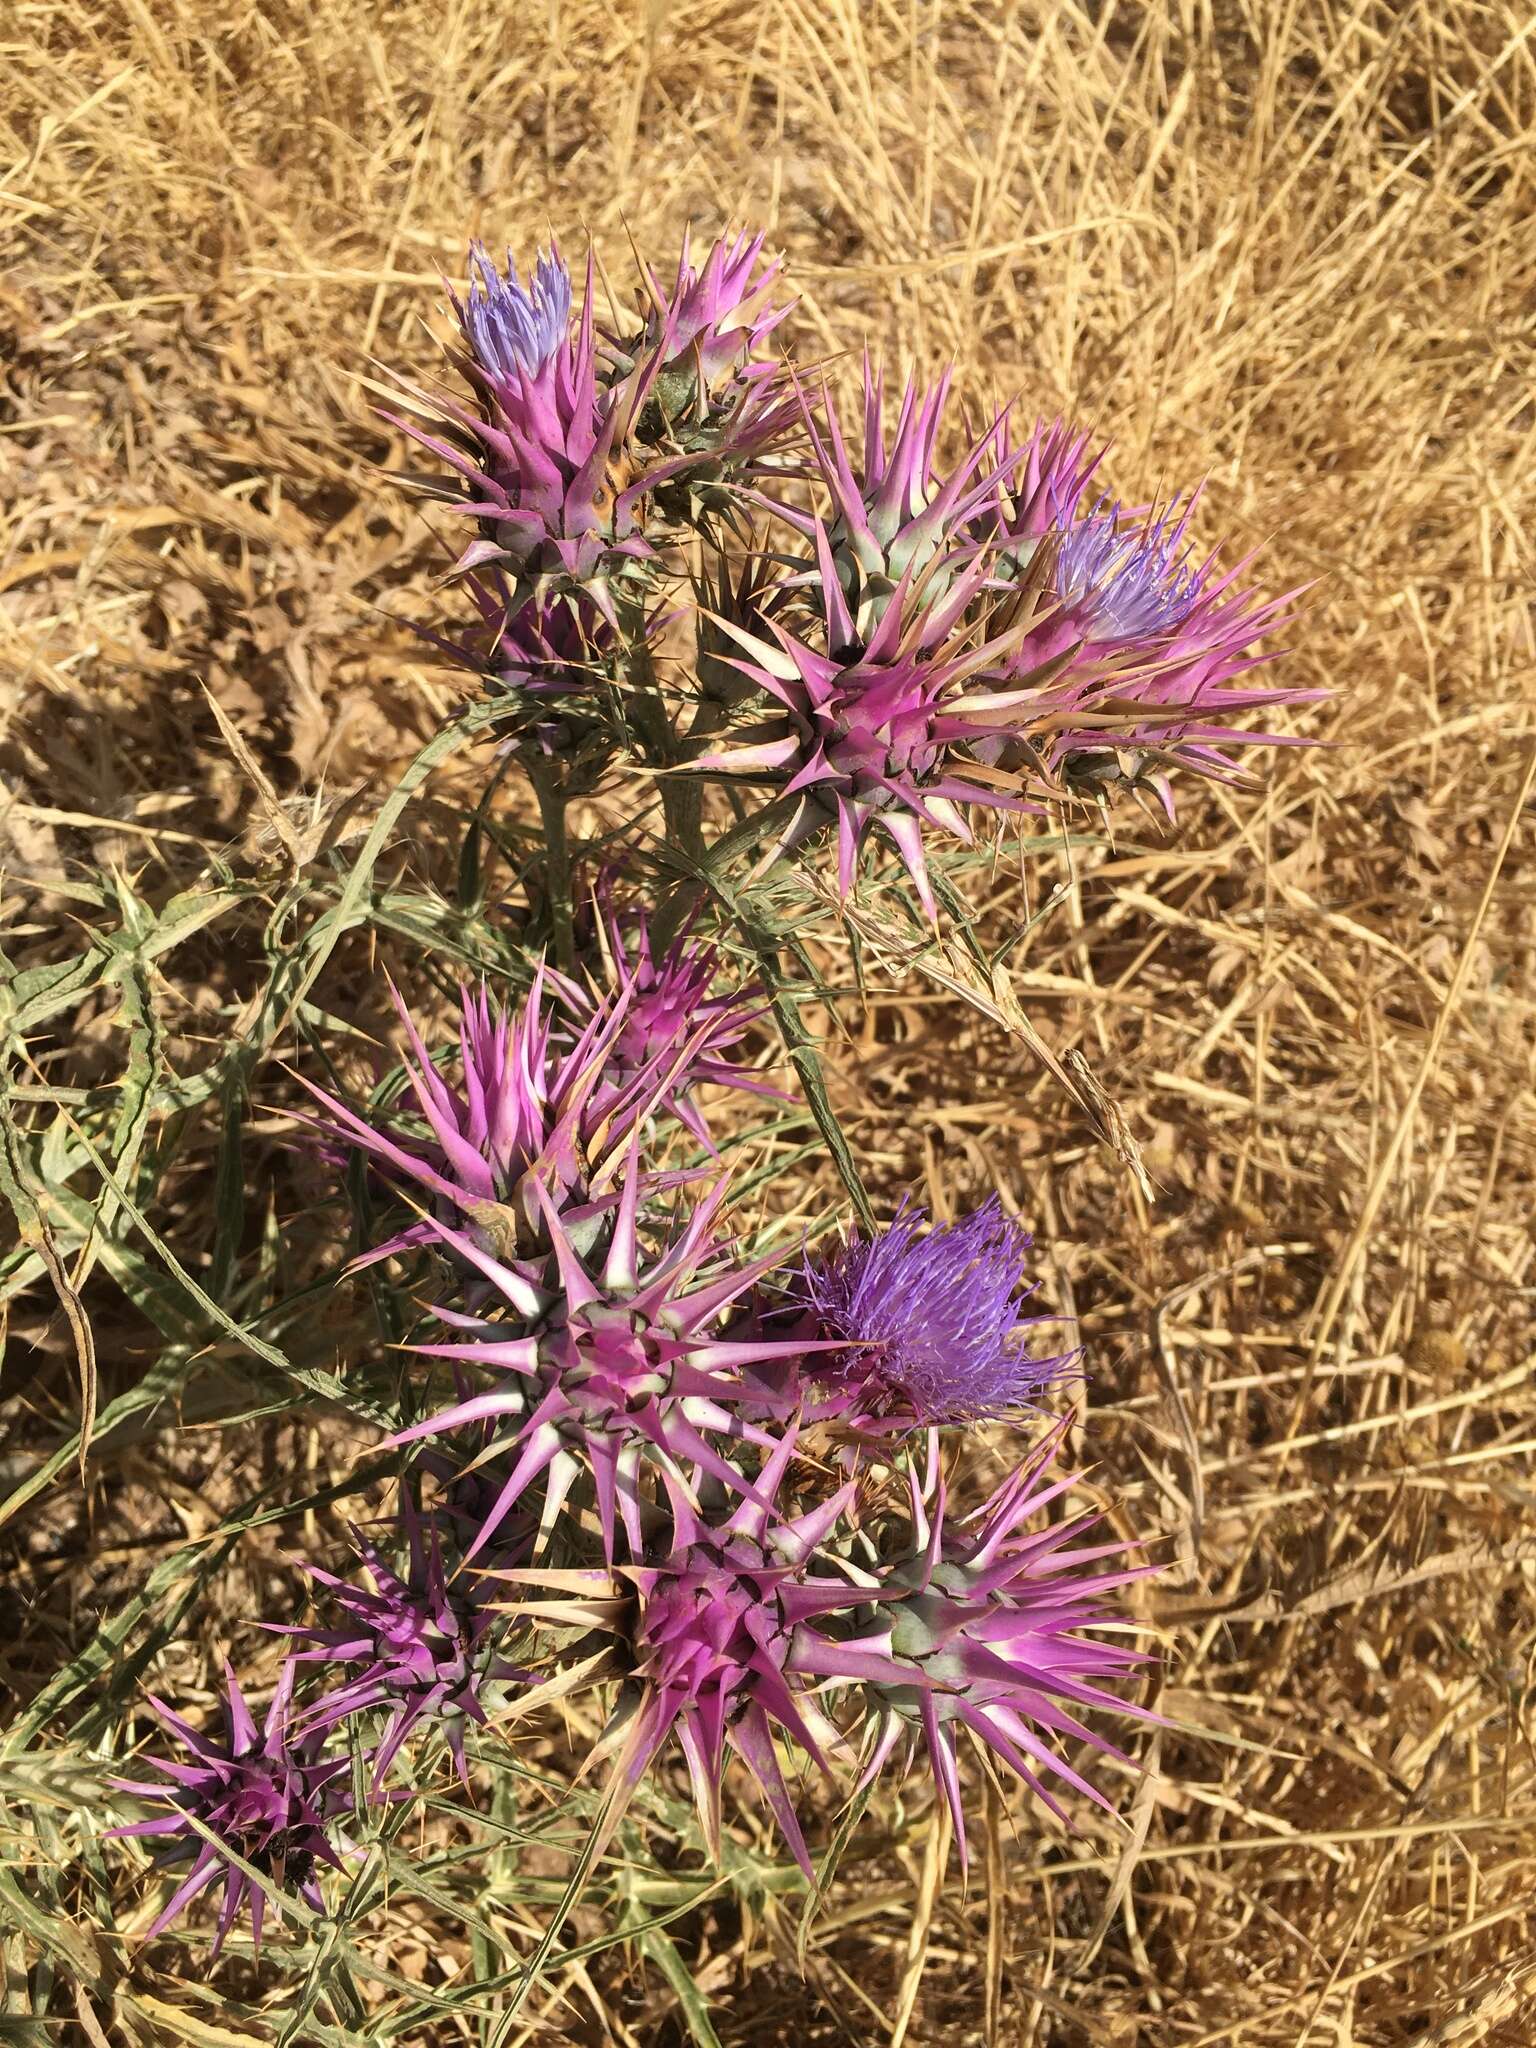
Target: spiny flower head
(418,1645)
(1135,646)
(707,1619)
(540,464)
(617,1368)
(676,1017)
(869,729)
(732,598)
(714,318)
(263,1793)
(711,405)
(931,1320)
(893,512)
(554,662)
(990,1627)
(538,649)
(544,1097)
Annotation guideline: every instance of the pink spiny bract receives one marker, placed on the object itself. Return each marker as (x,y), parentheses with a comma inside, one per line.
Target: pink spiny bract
(988,1627)
(718,316)
(615,1367)
(421,1646)
(266,1793)
(735,1627)
(893,513)
(1037,490)
(713,1629)
(554,649)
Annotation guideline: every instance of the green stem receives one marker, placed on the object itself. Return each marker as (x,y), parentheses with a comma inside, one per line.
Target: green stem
(801,1048)
(550,791)
(682,802)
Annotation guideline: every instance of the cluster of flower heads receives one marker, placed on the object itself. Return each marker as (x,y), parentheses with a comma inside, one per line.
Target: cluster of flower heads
(635,1439)
(918,638)
(619,1422)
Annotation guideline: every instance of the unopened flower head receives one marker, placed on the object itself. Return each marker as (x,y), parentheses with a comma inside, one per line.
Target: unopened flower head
(717,317)
(264,1794)
(677,1018)
(554,664)
(868,730)
(894,512)
(417,1646)
(711,408)
(616,1367)
(545,1094)
(990,1627)
(560,649)
(932,1320)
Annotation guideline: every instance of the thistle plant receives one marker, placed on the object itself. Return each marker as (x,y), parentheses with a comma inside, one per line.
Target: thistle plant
(742,647)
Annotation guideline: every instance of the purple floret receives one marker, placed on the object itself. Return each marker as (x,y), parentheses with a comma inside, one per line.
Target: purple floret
(511,326)
(932,1318)
(1128,666)
(1125,582)
(266,1795)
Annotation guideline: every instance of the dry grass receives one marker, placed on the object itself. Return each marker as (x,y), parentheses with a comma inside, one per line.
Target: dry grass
(1289,242)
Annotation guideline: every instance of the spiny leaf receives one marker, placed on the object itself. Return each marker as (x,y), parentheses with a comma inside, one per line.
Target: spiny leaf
(17,1184)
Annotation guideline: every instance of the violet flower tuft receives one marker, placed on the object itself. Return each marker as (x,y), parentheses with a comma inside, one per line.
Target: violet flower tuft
(931,1320)
(509,326)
